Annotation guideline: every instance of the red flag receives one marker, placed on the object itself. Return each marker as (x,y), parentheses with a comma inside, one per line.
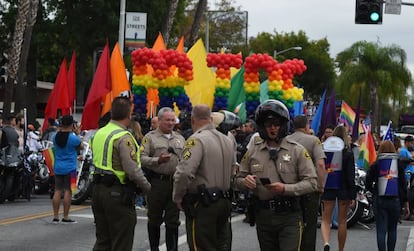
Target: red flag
(58,99)
(72,80)
(101,85)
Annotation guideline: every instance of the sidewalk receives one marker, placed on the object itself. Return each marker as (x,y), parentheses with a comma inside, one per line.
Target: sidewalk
(410,241)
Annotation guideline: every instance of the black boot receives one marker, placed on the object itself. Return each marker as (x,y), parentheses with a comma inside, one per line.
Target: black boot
(154,237)
(171,239)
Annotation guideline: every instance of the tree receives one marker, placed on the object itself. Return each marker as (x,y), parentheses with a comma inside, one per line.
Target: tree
(14,53)
(172,9)
(198,17)
(380,72)
(320,73)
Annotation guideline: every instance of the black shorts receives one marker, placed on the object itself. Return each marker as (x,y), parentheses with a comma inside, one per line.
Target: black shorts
(340,194)
(62,182)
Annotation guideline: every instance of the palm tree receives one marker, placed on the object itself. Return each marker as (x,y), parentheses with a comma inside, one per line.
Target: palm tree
(380,72)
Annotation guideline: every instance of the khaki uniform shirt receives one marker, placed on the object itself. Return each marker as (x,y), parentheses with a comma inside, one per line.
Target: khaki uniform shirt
(153,144)
(311,143)
(124,157)
(293,167)
(207,159)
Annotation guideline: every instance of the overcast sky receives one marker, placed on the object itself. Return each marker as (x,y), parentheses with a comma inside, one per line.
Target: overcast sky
(333,19)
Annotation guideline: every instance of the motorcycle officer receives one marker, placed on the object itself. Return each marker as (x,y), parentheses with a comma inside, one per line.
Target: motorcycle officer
(279,171)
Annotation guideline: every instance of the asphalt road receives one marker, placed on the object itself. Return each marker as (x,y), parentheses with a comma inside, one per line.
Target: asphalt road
(27,226)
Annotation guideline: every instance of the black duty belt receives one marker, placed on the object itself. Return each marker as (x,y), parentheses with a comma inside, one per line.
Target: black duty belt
(281,204)
(161,176)
(106,177)
(209,195)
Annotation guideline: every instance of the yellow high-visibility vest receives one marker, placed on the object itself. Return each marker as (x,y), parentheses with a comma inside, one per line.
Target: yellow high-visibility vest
(102,148)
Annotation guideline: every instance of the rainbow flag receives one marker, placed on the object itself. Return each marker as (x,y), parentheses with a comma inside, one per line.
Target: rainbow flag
(367,153)
(347,116)
(73,177)
(49,155)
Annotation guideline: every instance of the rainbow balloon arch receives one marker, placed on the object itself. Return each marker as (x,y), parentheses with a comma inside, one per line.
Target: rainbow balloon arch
(168,71)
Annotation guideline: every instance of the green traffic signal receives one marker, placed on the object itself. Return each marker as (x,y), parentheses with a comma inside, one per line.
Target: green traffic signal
(374,16)
(368,11)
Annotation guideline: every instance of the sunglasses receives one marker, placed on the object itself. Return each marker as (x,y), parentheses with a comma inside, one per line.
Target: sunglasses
(269,124)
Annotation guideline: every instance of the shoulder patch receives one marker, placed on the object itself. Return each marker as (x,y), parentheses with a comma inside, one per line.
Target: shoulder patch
(133,155)
(245,156)
(257,140)
(186,154)
(144,140)
(129,142)
(306,154)
(318,141)
(190,143)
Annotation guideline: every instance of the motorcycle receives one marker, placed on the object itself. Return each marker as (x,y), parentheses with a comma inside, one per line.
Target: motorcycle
(84,177)
(39,170)
(361,210)
(15,179)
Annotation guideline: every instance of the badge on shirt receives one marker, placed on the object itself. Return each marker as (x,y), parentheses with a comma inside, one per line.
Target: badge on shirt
(177,143)
(286,157)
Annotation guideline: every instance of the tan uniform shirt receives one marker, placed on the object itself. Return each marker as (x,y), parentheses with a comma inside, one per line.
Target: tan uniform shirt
(124,157)
(290,168)
(207,159)
(312,144)
(154,143)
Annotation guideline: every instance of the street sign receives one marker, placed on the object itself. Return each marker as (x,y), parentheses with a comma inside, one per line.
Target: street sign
(135,30)
(393,7)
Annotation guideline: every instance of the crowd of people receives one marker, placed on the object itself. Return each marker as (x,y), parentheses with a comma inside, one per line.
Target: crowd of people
(195,162)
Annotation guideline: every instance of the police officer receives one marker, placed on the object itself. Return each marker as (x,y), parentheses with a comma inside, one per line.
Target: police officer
(160,152)
(9,135)
(118,173)
(310,202)
(202,184)
(278,170)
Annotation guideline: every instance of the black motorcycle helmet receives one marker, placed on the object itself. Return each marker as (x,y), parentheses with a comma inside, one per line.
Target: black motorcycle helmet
(226,121)
(272,108)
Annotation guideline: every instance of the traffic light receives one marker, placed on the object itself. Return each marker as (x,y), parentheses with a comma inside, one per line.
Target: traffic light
(368,11)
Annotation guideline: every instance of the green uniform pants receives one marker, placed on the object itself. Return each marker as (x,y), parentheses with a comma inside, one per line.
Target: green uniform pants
(279,231)
(310,209)
(115,222)
(161,209)
(210,228)
(160,206)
